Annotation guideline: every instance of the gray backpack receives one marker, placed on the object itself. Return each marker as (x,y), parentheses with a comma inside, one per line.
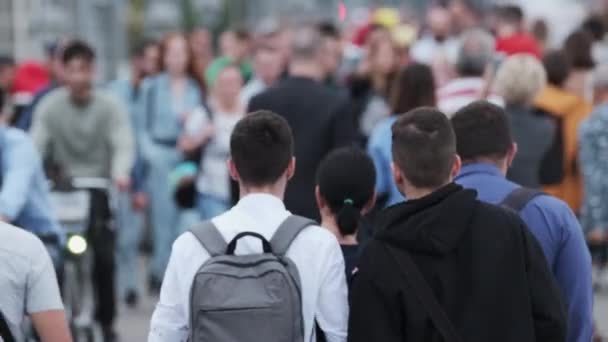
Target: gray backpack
(254,297)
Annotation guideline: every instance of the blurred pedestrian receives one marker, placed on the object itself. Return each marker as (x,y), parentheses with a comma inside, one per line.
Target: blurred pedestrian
(596,26)
(485,144)
(7,79)
(235,47)
(415,87)
(512,37)
(129,216)
(332,52)
(519,80)
(267,69)
(86,132)
(55,64)
(578,47)
(316,114)
(444,253)
(345,191)
(475,59)
(559,173)
(201,46)
(593,141)
(372,84)
(167,101)
(436,46)
(226,109)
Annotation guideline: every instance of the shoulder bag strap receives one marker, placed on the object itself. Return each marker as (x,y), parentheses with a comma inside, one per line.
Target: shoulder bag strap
(519,198)
(417,284)
(287,232)
(5,331)
(210,238)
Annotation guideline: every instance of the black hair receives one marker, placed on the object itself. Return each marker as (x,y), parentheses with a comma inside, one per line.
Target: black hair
(78,49)
(424,147)
(558,67)
(6,61)
(482,130)
(261,147)
(578,46)
(596,26)
(329,30)
(510,13)
(140,48)
(346,180)
(414,87)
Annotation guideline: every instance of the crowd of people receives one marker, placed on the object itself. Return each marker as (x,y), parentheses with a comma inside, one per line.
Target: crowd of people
(456,170)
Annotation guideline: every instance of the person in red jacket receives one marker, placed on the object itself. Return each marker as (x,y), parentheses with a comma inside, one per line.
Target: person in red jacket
(512,37)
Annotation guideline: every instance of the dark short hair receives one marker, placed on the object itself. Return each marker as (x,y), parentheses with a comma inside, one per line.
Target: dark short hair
(424,147)
(346,180)
(558,67)
(510,13)
(482,130)
(578,46)
(78,49)
(261,147)
(140,48)
(414,87)
(329,30)
(596,26)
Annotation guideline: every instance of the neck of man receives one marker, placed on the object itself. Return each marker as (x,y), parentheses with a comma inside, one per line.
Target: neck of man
(277,190)
(501,164)
(306,69)
(414,193)
(329,222)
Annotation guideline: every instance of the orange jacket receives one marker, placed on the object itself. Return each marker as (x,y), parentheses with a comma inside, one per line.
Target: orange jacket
(572,109)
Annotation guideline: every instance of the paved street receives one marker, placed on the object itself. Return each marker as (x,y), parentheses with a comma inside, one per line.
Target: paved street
(133,324)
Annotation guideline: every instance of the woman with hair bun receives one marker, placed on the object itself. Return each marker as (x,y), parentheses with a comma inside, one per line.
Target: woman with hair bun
(345,191)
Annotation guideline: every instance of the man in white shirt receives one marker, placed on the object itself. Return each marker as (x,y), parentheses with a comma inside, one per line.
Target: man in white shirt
(267,68)
(262,163)
(475,56)
(28,286)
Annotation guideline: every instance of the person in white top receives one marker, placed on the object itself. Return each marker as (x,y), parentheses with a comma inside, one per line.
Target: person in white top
(262,163)
(475,59)
(28,286)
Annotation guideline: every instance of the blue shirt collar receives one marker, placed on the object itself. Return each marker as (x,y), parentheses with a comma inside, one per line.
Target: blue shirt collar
(478,168)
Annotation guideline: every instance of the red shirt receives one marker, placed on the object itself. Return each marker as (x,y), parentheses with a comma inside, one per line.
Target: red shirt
(519,43)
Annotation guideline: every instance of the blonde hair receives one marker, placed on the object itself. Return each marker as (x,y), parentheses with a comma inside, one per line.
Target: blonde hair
(520,79)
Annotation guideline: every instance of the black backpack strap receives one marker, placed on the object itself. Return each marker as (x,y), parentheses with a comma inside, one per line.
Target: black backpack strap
(519,198)
(287,232)
(418,285)
(5,331)
(210,238)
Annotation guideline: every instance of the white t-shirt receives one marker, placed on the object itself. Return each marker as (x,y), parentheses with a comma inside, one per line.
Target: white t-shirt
(214,178)
(28,283)
(315,251)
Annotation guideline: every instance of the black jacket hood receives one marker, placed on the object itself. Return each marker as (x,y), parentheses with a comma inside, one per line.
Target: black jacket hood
(433,224)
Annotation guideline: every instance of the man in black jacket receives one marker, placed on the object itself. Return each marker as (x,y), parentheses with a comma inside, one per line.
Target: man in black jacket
(317,115)
(481,264)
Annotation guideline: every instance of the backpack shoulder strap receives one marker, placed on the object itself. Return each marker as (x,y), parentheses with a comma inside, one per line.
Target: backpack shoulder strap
(419,286)
(287,232)
(519,198)
(5,332)
(210,238)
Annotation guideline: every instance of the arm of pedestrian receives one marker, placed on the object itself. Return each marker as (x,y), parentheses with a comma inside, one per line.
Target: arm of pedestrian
(51,326)
(332,314)
(19,166)
(548,309)
(573,274)
(40,129)
(121,141)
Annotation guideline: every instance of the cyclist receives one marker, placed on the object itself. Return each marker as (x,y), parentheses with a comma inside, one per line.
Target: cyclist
(29,287)
(87,133)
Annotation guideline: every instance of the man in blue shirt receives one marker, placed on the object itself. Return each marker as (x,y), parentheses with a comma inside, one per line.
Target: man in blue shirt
(485,144)
(24,193)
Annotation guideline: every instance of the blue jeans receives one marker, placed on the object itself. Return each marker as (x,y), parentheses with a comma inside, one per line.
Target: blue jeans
(129,229)
(164,213)
(210,206)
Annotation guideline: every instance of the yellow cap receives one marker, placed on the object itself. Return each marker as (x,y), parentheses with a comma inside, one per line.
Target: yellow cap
(404,35)
(387,17)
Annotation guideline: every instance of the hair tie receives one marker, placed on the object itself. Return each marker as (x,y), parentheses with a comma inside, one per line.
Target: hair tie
(349,201)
